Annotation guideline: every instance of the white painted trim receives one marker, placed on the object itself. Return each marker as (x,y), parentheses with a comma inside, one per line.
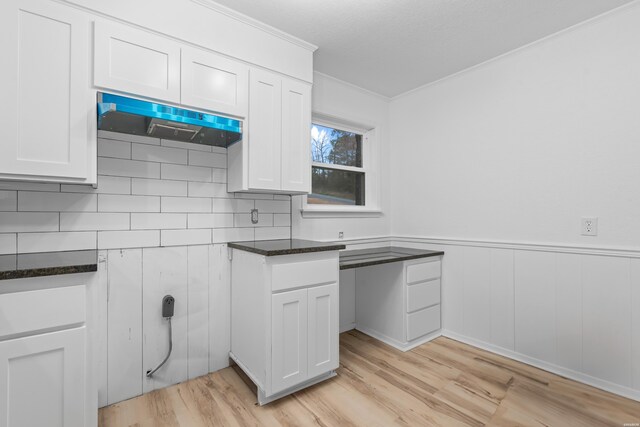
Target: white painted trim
(397,344)
(348,327)
(518,49)
(568,373)
(339,213)
(353,86)
(256,24)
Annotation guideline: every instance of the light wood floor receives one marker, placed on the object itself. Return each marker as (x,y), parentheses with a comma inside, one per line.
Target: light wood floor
(442,382)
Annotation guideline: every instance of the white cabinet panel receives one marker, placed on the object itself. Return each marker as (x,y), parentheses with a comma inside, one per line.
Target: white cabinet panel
(136,62)
(289,335)
(296,139)
(606,302)
(41,380)
(45,49)
(323,329)
(265,131)
(423,322)
(423,271)
(215,83)
(423,295)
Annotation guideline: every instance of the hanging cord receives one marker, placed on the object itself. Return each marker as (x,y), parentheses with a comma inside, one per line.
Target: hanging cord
(152,371)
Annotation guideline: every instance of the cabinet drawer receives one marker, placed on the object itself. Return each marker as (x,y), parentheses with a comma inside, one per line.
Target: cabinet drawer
(423,271)
(422,322)
(303,273)
(423,295)
(23,312)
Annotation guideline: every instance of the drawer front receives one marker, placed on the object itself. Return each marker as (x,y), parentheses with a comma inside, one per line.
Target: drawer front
(303,273)
(423,271)
(24,312)
(423,295)
(423,322)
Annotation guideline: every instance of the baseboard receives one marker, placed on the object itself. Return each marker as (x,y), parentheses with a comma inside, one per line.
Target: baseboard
(402,346)
(347,327)
(549,367)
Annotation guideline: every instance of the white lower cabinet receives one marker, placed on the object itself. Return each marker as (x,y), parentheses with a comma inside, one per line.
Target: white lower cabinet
(284,320)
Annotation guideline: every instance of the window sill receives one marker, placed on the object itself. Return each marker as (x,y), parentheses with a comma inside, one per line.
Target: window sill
(340,213)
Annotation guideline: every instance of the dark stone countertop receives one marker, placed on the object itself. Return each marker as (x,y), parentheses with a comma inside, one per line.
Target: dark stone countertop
(20,266)
(285,247)
(383,255)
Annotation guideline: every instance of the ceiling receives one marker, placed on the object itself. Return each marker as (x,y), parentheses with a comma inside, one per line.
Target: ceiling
(392,46)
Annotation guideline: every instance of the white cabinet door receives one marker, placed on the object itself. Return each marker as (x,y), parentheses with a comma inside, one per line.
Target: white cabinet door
(323,329)
(42,380)
(215,83)
(44,81)
(296,136)
(289,339)
(265,130)
(137,62)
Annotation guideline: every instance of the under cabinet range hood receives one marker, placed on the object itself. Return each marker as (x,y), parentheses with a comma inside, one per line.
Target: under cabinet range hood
(133,116)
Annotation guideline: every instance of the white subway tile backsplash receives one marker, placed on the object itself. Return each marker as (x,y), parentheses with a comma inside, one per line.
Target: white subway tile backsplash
(186,145)
(158,221)
(212,160)
(127,137)
(106,184)
(282,220)
(8,244)
(113,148)
(244,220)
(93,221)
(128,239)
(158,187)
(28,186)
(8,200)
(222,235)
(122,203)
(273,206)
(35,201)
(282,197)
(185,237)
(214,220)
(186,204)
(150,153)
(232,206)
(129,168)
(186,173)
(208,189)
(53,242)
(17,222)
(218,175)
(273,233)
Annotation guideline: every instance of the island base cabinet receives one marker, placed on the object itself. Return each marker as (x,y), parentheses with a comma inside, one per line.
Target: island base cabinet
(289,339)
(39,378)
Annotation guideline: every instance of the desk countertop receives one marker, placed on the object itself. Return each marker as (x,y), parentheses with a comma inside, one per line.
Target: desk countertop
(374,256)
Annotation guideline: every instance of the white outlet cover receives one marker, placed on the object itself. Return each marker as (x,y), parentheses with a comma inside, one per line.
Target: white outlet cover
(589,226)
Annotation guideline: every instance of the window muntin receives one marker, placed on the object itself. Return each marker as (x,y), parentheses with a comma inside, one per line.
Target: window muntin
(338,174)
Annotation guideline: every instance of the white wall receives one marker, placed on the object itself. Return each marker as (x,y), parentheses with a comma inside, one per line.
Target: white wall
(334,98)
(500,162)
(520,148)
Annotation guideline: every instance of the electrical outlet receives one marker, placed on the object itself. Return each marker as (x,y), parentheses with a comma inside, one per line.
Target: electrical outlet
(254,216)
(341,235)
(589,226)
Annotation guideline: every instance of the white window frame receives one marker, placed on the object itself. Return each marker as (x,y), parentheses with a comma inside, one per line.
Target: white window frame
(369,168)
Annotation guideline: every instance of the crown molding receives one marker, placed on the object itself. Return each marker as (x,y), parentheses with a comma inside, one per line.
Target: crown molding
(240,17)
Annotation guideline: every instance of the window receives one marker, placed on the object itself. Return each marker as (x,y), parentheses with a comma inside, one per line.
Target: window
(338,169)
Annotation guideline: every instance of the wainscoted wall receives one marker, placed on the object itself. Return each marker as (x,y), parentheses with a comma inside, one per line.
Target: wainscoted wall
(160,218)
(568,310)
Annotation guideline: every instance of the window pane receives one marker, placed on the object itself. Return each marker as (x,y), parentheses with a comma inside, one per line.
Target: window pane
(336,187)
(335,146)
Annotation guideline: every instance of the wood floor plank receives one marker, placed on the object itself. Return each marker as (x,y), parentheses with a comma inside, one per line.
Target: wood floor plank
(441,383)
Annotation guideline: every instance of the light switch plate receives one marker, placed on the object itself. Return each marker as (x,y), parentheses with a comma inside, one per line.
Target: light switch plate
(589,226)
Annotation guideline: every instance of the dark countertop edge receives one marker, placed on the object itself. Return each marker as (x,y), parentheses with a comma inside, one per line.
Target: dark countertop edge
(365,263)
(49,271)
(278,252)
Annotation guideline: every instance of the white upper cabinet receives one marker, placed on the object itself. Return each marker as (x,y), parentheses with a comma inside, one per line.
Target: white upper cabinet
(296,139)
(46,111)
(265,131)
(213,82)
(274,155)
(136,62)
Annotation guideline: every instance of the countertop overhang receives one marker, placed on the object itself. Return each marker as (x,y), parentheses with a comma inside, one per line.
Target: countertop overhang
(285,247)
(21,266)
(382,255)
